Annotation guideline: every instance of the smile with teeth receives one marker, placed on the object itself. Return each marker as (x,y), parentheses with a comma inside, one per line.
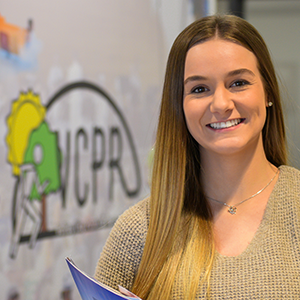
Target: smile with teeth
(227,124)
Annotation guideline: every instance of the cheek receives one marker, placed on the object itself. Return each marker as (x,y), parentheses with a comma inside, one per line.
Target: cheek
(261,108)
(190,115)
(193,111)
(255,104)
(194,116)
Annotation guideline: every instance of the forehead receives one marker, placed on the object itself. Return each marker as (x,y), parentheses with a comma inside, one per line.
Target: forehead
(218,54)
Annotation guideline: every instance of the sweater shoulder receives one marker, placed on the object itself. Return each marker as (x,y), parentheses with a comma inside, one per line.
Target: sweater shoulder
(137,214)
(289,171)
(122,253)
(290,182)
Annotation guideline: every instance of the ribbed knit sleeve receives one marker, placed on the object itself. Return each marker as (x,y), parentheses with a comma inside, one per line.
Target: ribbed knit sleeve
(121,255)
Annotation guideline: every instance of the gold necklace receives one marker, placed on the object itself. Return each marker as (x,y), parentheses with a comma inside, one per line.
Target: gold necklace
(232,208)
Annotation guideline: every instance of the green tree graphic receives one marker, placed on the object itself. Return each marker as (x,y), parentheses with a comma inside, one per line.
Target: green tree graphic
(47,165)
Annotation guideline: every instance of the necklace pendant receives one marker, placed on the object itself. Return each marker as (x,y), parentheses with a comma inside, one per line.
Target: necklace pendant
(232,210)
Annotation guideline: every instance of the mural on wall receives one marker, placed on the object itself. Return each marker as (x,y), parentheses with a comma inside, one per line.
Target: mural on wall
(36,159)
(79,99)
(18,46)
(12,37)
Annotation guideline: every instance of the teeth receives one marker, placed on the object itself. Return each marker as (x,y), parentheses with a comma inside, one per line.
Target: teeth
(227,124)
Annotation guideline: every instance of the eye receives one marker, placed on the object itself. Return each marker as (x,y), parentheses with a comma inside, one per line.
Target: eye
(199,89)
(240,83)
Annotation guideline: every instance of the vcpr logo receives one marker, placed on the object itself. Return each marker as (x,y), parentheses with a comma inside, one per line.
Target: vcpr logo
(55,160)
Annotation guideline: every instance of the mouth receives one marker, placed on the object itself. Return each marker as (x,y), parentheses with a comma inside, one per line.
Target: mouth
(227,124)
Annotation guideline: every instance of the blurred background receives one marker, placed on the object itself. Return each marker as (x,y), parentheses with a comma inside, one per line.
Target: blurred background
(80,86)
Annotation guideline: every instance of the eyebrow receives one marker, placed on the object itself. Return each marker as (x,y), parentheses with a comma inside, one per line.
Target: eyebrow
(231,73)
(241,71)
(194,78)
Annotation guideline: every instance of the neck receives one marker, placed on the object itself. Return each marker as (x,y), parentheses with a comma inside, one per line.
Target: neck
(232,178)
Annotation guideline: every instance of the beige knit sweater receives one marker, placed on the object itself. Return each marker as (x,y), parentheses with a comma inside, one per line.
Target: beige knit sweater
(268,269)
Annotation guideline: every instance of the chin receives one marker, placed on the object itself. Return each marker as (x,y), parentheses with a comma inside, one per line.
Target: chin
(234,149)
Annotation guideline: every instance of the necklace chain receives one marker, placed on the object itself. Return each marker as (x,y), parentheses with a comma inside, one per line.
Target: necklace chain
(233,208)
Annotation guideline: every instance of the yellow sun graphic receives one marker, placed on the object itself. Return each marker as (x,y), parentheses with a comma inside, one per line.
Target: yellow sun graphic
(26,115)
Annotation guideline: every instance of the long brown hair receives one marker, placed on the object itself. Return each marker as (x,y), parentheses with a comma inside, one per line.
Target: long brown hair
(180,229)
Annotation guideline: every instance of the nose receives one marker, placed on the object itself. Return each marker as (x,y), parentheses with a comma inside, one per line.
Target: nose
(222,101)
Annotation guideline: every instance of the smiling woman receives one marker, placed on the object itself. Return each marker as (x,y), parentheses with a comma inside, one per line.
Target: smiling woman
(224,98)
(223,214)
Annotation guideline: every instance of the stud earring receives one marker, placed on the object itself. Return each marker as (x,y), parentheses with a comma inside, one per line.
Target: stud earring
(270,103)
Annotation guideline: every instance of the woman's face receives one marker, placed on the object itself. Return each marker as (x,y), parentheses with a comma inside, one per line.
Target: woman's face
(224,99)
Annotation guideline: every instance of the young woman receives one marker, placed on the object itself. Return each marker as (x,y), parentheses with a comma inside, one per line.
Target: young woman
(222,220)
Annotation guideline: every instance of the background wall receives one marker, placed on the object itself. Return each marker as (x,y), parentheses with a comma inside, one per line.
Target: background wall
(80,86)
